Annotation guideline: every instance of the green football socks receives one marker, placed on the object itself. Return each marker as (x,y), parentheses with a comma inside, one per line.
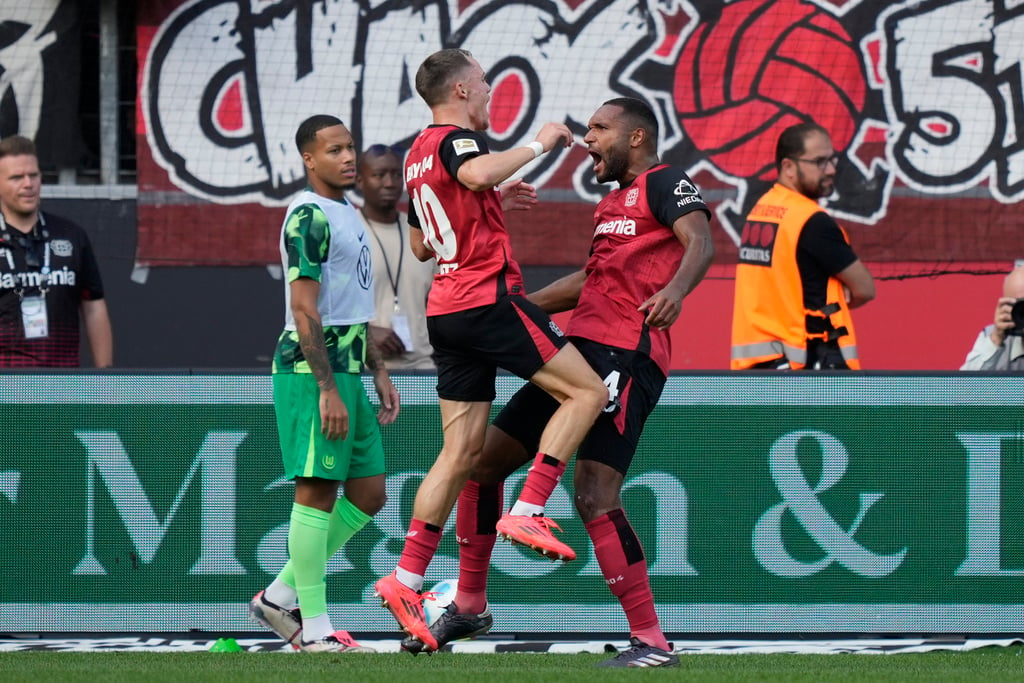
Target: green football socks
(342,524)
(307,539)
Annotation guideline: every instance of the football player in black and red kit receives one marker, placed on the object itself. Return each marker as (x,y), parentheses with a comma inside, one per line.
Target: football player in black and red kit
(652,245)
(479,319)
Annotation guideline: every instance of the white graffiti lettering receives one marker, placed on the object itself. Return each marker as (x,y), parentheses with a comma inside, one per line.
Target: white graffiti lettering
(950,97)
(221,81)
(21,61)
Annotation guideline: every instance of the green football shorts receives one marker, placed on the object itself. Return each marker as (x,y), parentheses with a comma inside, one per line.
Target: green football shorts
(304,450)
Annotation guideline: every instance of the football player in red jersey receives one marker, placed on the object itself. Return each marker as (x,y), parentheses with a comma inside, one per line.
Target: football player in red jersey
(479,320)
(652,245)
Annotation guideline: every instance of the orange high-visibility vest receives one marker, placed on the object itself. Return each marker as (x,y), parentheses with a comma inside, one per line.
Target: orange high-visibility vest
(769,319)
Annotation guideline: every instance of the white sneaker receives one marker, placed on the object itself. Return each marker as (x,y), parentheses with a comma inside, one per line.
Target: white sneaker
(287,624)
(339,641)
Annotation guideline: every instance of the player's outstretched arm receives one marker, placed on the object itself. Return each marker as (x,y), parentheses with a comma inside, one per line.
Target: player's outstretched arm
(490,170)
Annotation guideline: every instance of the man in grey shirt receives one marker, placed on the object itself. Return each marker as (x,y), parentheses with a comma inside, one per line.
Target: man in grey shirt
(999,346)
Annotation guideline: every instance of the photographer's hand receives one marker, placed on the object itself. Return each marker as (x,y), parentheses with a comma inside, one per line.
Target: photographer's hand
(1003,320)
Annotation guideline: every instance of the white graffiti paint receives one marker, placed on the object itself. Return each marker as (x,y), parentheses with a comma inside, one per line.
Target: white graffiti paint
(21,61)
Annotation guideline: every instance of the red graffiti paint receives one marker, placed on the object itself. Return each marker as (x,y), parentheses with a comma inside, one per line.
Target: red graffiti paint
(507,99)
(762,66)
(230,111)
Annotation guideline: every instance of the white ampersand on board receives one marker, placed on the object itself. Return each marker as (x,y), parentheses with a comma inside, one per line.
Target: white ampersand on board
(801,500)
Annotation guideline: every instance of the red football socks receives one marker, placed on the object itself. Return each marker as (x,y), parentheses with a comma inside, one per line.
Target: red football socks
(478,511)
(620,556)
(421,543)
(544,474)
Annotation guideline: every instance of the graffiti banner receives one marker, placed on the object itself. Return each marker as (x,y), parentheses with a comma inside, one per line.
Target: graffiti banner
(928,121)
(40,73)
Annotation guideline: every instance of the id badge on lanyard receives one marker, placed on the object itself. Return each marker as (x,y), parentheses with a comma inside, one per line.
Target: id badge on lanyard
(400,324)
(33,306)
(33,316)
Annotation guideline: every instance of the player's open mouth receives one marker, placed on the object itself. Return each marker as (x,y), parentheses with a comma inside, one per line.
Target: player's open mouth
(597,160)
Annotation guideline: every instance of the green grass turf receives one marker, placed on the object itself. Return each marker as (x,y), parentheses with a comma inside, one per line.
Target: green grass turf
(987,664)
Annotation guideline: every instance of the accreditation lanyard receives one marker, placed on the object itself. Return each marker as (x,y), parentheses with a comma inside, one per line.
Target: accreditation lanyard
(33,307)
(399,320)
(393,277)
(24,242)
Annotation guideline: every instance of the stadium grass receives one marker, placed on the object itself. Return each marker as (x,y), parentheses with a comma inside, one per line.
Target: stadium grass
(987,664)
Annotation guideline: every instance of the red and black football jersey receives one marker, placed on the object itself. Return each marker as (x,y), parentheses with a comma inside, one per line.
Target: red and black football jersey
(633,255)
(466,229)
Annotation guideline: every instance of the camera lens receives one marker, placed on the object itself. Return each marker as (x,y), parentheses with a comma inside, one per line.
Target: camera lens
(1017,315)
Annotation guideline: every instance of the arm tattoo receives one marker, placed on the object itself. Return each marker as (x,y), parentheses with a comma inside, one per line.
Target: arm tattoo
(314,348)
